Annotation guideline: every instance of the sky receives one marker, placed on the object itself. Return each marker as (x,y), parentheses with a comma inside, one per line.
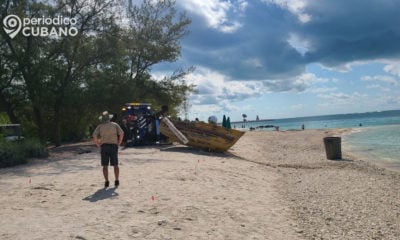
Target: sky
(290,58)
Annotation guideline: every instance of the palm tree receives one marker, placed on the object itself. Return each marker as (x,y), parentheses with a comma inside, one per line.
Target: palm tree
(244,117)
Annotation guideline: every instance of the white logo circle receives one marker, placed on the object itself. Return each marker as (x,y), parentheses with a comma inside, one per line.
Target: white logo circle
(12,25)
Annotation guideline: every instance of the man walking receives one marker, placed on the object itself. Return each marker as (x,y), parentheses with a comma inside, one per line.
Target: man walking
(108,136)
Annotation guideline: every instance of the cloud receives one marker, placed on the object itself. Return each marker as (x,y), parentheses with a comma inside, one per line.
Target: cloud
(273,39)
(301,45)
(324,90)
(382,78)
(378,87)
(344,31)
(340,100)
(393,68)
(215,13)
(214,88)
(244,49)
(296,7)
(296,84)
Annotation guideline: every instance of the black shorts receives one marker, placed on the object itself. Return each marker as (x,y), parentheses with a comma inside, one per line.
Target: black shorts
(109,154)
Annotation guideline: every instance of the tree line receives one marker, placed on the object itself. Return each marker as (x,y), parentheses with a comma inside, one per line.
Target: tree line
(56,86)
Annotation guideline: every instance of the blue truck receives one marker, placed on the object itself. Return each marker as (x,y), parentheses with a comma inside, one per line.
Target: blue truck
(141,125)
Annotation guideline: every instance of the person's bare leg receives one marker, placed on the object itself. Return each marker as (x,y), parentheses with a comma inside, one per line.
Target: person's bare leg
(116,173)
(105,174)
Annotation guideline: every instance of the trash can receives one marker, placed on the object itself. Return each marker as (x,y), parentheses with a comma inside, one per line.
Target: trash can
(333,148)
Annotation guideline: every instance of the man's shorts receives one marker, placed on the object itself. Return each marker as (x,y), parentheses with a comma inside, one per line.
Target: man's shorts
(109,154)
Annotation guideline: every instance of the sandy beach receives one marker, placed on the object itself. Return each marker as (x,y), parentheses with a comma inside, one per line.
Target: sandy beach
(269,185)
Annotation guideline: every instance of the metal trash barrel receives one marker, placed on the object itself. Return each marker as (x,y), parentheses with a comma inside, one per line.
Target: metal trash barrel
(333,148)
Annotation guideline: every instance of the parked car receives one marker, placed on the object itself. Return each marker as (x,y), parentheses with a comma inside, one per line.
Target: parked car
(11,132)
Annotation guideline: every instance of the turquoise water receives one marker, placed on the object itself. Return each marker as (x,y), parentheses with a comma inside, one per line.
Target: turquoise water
(379,143)
(329,121)
(375,135)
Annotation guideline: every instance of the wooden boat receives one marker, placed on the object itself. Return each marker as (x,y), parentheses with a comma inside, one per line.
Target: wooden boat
(208,136)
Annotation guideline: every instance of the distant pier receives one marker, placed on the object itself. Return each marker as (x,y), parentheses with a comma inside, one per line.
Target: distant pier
(262,123)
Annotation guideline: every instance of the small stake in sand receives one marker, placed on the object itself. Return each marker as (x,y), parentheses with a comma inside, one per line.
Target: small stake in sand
(153,198)
(196,168)
(30,180)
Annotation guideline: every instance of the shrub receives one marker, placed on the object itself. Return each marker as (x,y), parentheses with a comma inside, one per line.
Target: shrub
(32,148)
(18,152)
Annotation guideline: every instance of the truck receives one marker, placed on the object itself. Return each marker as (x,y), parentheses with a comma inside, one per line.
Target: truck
(142,126)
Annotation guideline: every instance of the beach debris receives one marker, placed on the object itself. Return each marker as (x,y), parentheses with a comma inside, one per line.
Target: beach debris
(42,188)
(162,222)
(80,237)
(154,211)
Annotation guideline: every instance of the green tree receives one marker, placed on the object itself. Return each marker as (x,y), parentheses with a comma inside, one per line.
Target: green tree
(153,36)
(58,85)
(224,123)
(29,61)
(51,68)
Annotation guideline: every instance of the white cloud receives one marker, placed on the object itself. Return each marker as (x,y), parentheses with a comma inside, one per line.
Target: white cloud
(230,28)
(378,87)
(393,68)
(216,13)
(242,5)
(339,100)
(296,84)
(324,90)
(383,78)
(300,44)
(296,7)
(215,89)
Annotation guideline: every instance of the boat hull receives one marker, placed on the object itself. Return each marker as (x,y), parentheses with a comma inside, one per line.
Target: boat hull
(203,135)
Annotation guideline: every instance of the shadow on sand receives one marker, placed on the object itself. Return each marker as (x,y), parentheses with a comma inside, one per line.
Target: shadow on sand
(101,194)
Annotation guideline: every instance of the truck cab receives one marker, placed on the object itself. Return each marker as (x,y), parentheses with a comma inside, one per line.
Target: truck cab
(138,123)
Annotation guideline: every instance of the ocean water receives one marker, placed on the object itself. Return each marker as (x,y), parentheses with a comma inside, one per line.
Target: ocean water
(374,135)
(378,143)
(327,122)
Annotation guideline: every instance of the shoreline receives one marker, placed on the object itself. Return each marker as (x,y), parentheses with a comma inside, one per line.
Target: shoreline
(347,147)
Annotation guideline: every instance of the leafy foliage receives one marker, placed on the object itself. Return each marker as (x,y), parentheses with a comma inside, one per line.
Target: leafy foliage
(15,153)
(56,86)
